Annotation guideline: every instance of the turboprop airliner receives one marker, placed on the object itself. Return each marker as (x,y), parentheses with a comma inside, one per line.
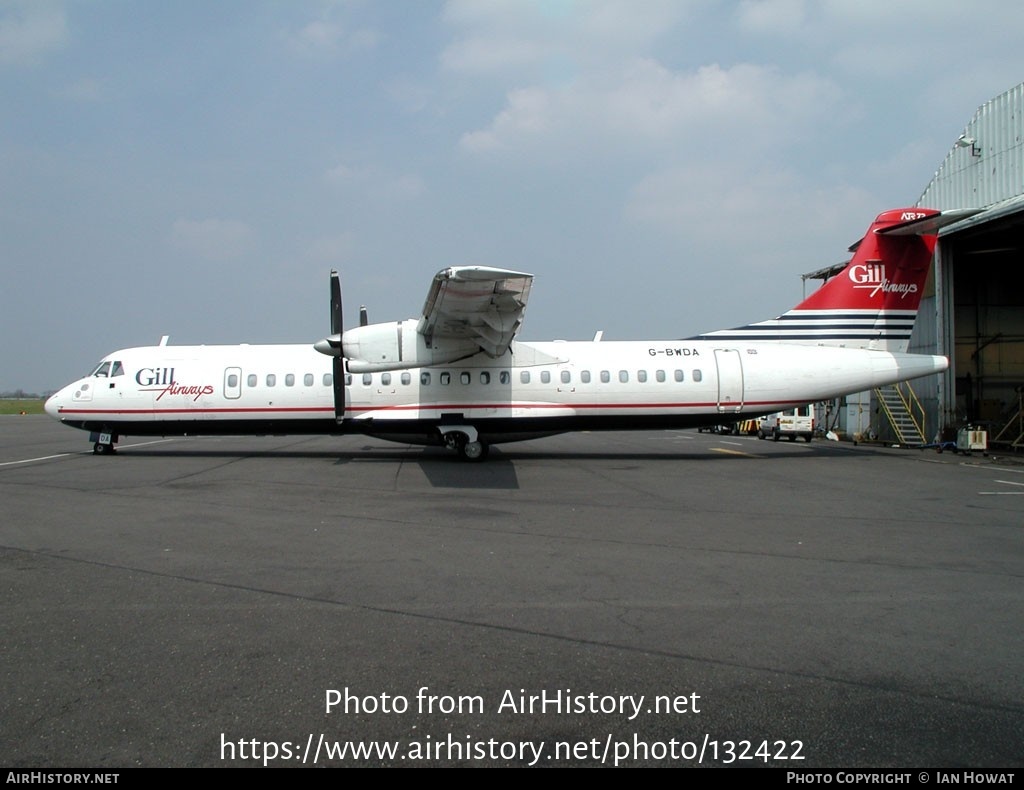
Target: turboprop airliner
(457,376)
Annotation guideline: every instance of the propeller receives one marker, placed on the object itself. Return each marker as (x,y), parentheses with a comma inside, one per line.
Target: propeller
(338,353)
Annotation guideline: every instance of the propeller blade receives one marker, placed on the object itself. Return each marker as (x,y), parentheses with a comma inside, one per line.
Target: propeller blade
(338,362)
(364,317)
(338,368)
(337,322)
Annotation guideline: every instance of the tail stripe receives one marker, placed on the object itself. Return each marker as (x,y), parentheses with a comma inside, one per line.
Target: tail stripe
(826,325)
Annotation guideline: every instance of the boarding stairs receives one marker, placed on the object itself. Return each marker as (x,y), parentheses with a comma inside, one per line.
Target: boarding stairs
(904,412)
(1014,426)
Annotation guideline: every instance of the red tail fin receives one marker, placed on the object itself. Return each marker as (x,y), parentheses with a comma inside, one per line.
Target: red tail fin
(873,302)
(888,269)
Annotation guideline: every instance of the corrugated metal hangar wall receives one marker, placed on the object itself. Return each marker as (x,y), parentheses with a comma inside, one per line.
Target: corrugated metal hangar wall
(974,311)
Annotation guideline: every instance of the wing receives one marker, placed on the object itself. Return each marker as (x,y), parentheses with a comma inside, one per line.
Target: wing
(476,303)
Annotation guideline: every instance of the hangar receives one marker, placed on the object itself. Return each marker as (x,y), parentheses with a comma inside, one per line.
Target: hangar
(973,310)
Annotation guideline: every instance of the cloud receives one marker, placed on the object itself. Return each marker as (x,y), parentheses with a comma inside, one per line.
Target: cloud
(214,239)
(766,217)
(772,17)
(508,36)
(29,30)
(333,250)
(742,108)
(372,183)
(326,38)
(85,89)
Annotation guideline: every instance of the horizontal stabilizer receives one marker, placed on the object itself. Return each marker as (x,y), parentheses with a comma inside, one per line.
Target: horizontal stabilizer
(931,223)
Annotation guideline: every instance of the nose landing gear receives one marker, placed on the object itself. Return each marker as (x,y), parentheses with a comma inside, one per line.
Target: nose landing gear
(103,443)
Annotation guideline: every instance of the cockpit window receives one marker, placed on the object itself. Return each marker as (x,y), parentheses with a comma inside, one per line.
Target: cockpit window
(117,370)
(102,370)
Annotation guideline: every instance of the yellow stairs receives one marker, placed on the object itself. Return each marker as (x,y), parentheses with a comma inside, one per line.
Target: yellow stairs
(904,412)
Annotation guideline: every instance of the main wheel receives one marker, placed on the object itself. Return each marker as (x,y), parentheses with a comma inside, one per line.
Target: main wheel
(474,451)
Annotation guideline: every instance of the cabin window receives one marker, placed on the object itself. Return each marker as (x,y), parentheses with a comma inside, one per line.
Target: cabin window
(485,377)
(641,376)
(307,380)
(524,376)
(367,379)
(585,376)
(271,380)
(407,378)
(464,377)
(328,379)
(425,378)
(232,380)
(605,376)
(659,375)
(348,379)
(545,376)
(678,375)
(250,380)
(504,377)
(697,375)
(385,379)
(566,377)
(446,378)
(289,380)
(624,376)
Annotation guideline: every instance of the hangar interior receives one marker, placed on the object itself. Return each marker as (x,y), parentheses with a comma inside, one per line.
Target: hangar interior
(988,323)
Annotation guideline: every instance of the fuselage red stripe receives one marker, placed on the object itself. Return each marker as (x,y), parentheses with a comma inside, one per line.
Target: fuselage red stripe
(417,407)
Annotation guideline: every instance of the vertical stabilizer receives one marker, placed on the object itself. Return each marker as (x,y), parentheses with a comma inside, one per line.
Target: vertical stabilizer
(873,302)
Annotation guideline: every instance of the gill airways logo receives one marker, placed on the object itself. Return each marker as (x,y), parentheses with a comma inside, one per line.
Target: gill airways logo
(871,276)
(163,378)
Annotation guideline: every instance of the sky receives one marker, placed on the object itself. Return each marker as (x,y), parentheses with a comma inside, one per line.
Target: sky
(663,167)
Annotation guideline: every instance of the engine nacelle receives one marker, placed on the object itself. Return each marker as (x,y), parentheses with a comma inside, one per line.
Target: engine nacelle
(397,345)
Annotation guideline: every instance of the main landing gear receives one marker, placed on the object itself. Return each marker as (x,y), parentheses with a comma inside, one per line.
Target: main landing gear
(465,441)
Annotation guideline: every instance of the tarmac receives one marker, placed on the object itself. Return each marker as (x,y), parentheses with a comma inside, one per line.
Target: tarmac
(636,599)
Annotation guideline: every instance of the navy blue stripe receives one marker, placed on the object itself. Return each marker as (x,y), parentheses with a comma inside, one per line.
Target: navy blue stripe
(775,328)
(806,336)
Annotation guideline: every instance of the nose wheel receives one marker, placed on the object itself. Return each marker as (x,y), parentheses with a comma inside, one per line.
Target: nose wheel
(103,443)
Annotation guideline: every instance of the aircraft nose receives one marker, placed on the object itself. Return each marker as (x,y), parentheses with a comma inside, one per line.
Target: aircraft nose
(52,405)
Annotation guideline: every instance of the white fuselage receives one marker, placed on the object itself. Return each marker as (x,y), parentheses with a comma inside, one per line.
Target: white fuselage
(535,389)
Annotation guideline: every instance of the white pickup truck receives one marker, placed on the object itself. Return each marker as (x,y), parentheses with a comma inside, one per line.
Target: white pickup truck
(792,423)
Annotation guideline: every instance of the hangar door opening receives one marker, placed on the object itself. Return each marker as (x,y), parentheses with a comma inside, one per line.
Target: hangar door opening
(988,323)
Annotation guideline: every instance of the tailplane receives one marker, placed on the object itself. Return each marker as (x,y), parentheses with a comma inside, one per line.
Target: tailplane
(872,303)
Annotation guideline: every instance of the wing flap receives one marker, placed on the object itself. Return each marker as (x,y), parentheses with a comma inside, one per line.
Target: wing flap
(476,303)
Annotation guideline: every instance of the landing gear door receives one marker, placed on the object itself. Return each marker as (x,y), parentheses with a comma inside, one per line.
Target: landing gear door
(730,380)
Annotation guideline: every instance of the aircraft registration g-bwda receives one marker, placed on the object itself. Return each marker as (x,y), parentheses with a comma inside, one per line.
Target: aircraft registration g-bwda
(456,375)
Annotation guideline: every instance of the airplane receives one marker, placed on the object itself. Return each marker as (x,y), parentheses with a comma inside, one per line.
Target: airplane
(456,376)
